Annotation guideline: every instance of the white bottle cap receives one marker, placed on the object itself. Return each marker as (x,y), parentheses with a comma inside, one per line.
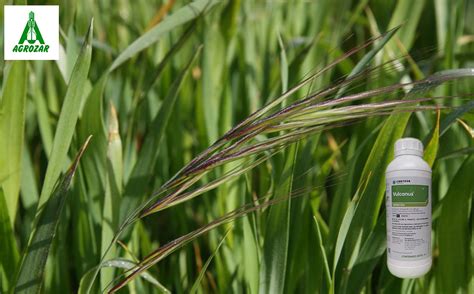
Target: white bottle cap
(408,146)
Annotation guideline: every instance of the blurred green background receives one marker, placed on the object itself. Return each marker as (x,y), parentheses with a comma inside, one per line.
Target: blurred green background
(245,45)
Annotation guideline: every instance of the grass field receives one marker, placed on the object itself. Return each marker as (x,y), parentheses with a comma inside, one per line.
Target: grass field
(237,146)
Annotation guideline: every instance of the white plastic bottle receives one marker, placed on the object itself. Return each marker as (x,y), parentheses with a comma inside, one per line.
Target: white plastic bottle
(408,202)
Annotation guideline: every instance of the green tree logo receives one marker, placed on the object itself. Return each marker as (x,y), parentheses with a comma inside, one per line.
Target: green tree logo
(31,32)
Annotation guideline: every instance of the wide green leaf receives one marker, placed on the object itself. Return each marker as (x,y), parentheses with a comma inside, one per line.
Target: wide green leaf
(12,124)
(9,255)
(454,232)
(213,64)
(431,149)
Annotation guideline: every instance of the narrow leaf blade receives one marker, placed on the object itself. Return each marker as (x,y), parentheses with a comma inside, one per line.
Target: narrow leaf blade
(12,124)
(275,252)
(453,232)
(30,277)
(9,255)
(180,17)
(67,119)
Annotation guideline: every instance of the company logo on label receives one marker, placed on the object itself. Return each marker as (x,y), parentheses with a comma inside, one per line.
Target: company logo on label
(31,32)
(401,181)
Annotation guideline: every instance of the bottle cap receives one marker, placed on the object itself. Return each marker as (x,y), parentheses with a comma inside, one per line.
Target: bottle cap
(408,146)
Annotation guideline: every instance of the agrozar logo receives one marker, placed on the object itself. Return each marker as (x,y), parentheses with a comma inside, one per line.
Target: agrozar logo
(31,32)
(32,35)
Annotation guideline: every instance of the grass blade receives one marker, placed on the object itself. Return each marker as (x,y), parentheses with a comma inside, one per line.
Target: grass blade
(113,192)
(89,201)
(67,119)
(213,65)
(12,123)
(44,123)
(165,250)
(342,235)
(454,232)
(431,149)
(407,13)
(322,252)
(451,118)
(196,284)
(283,65)
(275,251)
(30,276)
(9,255)
(136,186)
(368,57)
(370,254)
(29,190)
(180,17)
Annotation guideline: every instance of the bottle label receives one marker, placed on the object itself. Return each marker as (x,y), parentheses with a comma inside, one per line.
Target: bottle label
(408,202)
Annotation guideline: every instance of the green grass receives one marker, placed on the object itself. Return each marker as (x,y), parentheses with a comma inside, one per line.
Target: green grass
(237,146)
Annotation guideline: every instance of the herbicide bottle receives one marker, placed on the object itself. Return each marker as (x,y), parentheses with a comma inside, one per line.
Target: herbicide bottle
(408,201)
